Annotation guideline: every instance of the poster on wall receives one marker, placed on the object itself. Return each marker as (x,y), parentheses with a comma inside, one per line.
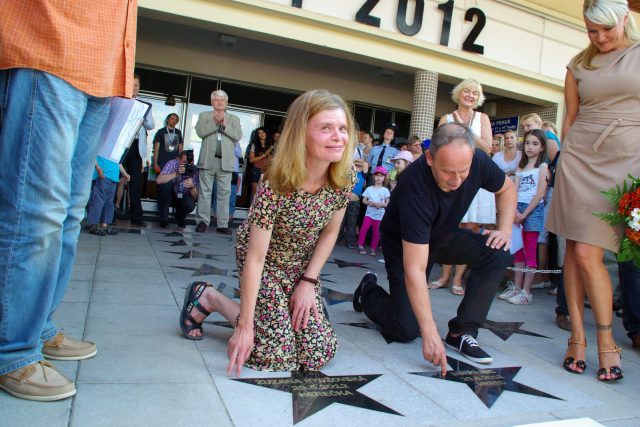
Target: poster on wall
(504,124)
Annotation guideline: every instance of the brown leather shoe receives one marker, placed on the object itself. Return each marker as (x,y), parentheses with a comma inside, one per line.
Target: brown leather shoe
(39,381)
(635,342)
(202,227)
(563,322)
(61,347)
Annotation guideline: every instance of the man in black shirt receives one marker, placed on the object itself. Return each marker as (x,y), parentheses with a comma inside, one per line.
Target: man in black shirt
(420,227)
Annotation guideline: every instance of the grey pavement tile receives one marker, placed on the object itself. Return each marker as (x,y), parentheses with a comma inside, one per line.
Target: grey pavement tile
(86,255)
(78,291)
(623,422)
(151,274)
(23,413)
(143,359)
(134,320)
(163,404)
(130,293)
(70,317)
(82,272)
(124,260)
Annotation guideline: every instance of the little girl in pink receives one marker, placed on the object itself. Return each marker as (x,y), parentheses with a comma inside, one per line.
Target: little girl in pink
(376,197)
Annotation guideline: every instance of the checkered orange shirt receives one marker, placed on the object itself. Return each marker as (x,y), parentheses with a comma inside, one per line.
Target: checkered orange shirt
(88,43)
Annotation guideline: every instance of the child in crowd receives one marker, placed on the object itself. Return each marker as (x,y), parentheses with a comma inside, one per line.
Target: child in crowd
(376,197)
(531,182)
(350,220)
(400,163)
(103,188)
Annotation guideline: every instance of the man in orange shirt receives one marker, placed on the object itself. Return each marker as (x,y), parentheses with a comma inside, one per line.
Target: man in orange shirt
(56,82)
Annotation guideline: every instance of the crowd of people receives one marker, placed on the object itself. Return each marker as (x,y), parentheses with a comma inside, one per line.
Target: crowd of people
(461,199)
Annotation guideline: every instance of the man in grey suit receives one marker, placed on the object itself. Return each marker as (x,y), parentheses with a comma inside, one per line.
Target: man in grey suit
(219,132)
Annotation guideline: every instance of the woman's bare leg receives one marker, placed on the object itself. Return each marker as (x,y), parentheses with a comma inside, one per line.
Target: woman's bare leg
(214,301)
(574,291)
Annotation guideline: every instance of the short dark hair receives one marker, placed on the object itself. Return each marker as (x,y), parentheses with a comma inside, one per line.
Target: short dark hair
(449,132)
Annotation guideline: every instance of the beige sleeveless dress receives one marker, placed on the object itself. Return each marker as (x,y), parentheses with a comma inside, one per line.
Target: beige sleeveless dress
(600,150)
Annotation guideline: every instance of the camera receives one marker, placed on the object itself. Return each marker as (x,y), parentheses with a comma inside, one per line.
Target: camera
(189,167)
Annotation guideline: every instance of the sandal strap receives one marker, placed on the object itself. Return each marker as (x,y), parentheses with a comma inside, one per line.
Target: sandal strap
(573,341)
(615,349)
(196,304)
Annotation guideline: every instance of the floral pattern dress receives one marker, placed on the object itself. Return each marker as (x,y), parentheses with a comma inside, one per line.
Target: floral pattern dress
(296,220)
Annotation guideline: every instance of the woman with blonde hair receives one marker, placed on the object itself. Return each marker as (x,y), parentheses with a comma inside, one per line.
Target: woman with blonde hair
(283,244)
(601,146)
(469,96)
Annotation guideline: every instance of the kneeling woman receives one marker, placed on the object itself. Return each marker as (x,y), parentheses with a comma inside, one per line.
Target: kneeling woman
(283,244)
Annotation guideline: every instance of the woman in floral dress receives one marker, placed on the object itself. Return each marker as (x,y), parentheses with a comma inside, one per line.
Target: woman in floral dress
(283,244)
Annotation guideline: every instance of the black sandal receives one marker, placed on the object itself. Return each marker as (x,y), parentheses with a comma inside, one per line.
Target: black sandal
(615,371)
(569,360)
(191,301)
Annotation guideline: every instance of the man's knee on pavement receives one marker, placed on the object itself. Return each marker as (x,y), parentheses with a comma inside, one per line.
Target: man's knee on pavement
(403,332)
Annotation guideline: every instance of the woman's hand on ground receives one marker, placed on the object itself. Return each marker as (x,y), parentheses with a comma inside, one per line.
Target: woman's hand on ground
(239,349)
(303,305)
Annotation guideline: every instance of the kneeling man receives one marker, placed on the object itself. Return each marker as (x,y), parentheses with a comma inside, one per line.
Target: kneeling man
(184,176)
(420,227)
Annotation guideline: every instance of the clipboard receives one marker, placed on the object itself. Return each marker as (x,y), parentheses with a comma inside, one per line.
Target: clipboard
(126,116)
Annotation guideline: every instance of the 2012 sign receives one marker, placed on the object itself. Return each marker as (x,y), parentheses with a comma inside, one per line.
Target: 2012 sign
(364,16)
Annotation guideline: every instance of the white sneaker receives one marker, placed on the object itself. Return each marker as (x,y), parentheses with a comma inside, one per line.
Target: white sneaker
(522,298)
(511,290)
(541,285)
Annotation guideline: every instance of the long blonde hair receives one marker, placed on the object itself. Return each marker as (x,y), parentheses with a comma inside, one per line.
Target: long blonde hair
(608,13)
(288,169)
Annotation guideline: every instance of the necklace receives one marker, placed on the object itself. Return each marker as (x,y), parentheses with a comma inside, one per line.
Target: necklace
(459,117)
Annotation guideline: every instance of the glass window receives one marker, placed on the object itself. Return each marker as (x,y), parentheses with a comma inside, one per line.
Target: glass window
(403,120)
(201,89)
(258,97)
(363,117)
(162,82)
(382,117)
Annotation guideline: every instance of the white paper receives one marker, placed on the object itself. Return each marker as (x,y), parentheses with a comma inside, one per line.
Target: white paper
(122,126)
(516,238)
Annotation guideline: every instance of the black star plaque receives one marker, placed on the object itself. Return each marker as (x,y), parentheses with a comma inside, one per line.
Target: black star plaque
(344,264)
(171,234)
(334,297)
(505,329)
(228,291)
(487,384)
(311,392)
(204,270)
(182,242)
(195,254)
(221,323)
(323,278)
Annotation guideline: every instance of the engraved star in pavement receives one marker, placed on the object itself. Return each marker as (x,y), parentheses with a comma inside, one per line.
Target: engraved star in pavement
(344,264)
(182,242)
(505,329)
(334,297)
(311,392)
(488,383)
(204,270)
(195,254)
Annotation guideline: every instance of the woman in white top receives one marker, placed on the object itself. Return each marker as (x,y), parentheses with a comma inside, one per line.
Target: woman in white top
(508,159)
(468,95)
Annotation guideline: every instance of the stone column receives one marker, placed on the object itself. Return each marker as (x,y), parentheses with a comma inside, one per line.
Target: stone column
(425,90)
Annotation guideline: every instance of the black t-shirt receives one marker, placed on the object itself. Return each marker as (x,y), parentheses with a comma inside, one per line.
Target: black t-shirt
(421,212)
(169,142)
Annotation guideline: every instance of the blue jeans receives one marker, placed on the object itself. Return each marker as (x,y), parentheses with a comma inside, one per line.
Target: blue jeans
(101,205)
(630,289)
(48,143)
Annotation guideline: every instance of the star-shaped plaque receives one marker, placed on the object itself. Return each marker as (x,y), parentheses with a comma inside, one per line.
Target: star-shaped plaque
(228,291)
(505,329)
(195,254)
(204,270)
(323,278)
(221,323)
(334,297)
(311,392)
(488,384)
(344,264)
(182,242)
(171,234)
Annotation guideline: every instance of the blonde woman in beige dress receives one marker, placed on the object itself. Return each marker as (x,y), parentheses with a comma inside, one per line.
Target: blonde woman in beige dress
(601,146)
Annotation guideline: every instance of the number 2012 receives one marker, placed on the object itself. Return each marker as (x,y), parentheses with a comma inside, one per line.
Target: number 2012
(364,16)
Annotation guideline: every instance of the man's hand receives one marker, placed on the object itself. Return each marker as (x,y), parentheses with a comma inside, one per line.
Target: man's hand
(498,239)
(433,350)
(181,169)
(303,305)
(100,173)
(219,117)
(127,177)
(188,183)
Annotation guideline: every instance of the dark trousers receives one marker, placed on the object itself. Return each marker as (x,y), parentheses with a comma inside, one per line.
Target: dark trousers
(165,192)
(134,169)
(392,311)
(184,206)
(630,289)
(349,221)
